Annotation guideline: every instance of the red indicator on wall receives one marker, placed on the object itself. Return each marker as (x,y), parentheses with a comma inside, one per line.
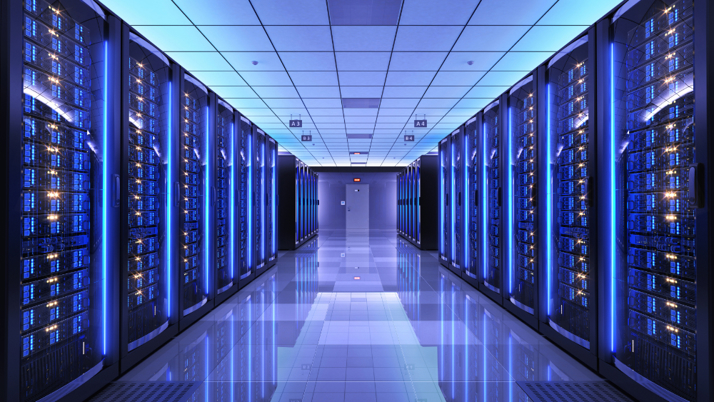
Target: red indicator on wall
(357,278)
(356,180)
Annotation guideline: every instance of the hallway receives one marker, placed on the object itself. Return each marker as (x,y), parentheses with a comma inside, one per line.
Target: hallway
(359,317)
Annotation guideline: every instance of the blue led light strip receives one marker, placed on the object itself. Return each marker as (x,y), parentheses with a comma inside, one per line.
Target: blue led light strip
(484,194)
(441,202)
(249,187)
(105,199)
(509,200)
(275,194)
(466,207)
(169,201)
(262,204)
(613,210)
(453,204)
(232,197)
(207,203)
(548,204)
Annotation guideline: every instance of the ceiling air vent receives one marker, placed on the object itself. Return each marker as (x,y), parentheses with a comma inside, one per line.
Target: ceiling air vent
(359,136)
(364,12)
(360,103)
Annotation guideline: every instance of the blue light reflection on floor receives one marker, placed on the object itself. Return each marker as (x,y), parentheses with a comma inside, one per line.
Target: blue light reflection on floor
(303,332)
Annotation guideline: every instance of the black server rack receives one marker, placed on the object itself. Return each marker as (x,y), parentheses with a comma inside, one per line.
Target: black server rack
(456,183)
(224,194)
(149,168)
(271,247)
(297,215)
(657,333)
(195,246)
(414,193)
(570,230)
(258,195)
(473,168)
(60,85)
(520,211)
(244,171)
(492,239)
(444,202)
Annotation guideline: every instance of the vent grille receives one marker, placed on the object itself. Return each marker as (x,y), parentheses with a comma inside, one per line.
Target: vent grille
(359,136)
(590,391)
(364,12)
(150,391)
(360,103)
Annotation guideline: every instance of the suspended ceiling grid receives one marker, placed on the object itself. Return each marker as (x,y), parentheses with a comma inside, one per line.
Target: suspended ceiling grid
(442,60)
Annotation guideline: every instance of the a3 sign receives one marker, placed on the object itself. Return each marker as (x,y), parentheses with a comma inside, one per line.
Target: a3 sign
(295,123)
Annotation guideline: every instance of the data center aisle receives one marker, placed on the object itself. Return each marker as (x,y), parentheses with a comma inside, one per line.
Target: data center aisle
(359,317)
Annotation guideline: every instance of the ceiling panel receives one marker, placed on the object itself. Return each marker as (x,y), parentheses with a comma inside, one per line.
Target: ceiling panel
(245,61)
(489,38)
(511,12)
(291,12)
(233,12)
(363,61)
(237,38)
(201,61)
(426,38)
(300,38)
(363,38)
(176,38)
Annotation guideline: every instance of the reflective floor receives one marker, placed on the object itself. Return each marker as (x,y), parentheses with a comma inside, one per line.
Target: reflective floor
(359,317)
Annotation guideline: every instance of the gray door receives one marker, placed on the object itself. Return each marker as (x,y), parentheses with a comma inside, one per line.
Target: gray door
(357,204)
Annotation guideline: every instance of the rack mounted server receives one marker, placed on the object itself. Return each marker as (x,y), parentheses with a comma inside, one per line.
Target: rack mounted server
(127,209)
(413,198)
(586,215)
(297,186)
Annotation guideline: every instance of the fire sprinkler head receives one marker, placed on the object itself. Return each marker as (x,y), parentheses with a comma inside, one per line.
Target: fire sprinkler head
(255,62)
(470,62)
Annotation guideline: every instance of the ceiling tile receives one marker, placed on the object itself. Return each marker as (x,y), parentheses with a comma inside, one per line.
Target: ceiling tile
(480,61)
(328,78)
(364,61)
(268,78)
(277,92)
(284,103)
(457,78)
(233,12)
(409,78)
(243,61)
(446,92)
(361,92)
(308,61)
(243,104)
(362,78)
(201,61)
(398,103)
(355,38)
(548,38)
(426,38)
(404,92)
(417,61)
(235,92)
(237,38)
(319,92)
(521,61)
(219,78)
(300,38)
(510,12)
(290,12)
(501,78)
(176,38)
(429,12)
(486,92)
(141,12)
(323,103)
(437,103)
(489,38)
(577,12)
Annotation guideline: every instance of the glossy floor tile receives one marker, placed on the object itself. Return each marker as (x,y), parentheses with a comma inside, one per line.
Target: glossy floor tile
(359,317)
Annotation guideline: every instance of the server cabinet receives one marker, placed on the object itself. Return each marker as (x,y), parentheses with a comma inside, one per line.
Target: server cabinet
(658,287)
(258,194)
(444,208)
(492,248)
(223,198)
(297,186)
(455,209)
(417,189)
(473,168)
(271,247)
(195,218)
(246,271)
(149,168)
(60,86)
(570,231)
(521,213)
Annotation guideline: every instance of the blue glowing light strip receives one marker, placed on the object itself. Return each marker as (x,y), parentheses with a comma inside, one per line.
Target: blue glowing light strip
(232,198)
(262,204)
(105,199)
(275,194)
(613,209)
(249,189)
(453,204)
(466,207)
(169,201)
(207,206)
(484,203)
(453,343)
(441,202)
(509,200)
(549,203)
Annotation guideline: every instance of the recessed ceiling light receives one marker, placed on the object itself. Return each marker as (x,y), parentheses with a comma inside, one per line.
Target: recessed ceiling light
(255,62)
(470,62)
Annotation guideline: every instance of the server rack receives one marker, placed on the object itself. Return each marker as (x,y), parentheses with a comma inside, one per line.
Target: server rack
(456,181)
(414,194)
(149,168)
(656,335)
(297,218)
(271,196)
(258,195)
(520,212)
(245,179)
(472,210)
(444,201)
(571,231)
(225,195)
(59,309)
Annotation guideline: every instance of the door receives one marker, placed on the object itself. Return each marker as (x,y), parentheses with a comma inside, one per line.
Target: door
(357,203)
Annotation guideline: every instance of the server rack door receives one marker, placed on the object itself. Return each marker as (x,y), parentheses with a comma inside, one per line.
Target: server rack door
(444,190)
(417,200)
(314,202)
(456,182)
(401,202)
(259,200)
(66,161)
(653,251)
(413,198)
(271,201)
(409,201)
(309,202)
(521,226)
(493,160)
(149,158)
(570,281)
(245,262)
(472,213)
(195,185)
(297,201)
(223,184)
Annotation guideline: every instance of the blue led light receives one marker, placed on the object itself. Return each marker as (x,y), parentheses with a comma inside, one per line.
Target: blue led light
(484,203)
(453,204)
(509,201)
(207,205)
(548,204)
(232,201)
(275,194)
(249,218)
(613,211)
(262,204)
(105,199)
(441,204)
(466,207)
(169,201)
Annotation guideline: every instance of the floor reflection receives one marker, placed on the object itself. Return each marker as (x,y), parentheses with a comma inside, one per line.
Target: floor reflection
(359,317)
